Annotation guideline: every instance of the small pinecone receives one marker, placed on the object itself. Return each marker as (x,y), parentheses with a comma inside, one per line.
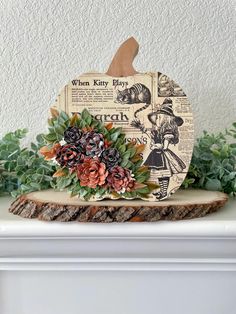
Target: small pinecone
(120,179)
(69,156)
(92,172)
(92,143)
(72,135)
(110,157)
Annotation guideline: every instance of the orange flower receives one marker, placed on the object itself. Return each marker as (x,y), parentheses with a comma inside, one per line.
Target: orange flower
(109,126)
(87,129)
(59,173)
(92,172)
(54,112)
(107,143)
(49,153)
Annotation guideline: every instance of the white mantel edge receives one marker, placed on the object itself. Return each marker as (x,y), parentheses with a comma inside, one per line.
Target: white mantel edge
(116,264)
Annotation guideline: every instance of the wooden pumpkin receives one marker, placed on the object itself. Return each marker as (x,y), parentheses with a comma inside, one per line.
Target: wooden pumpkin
(150,107)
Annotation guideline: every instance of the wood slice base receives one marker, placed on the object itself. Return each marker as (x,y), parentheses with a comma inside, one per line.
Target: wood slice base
(50,205)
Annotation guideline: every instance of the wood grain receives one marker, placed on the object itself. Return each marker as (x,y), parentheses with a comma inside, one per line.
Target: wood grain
(121,64)
(50,205)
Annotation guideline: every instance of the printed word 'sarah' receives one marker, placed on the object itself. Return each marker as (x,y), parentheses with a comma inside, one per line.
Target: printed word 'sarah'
(116,117)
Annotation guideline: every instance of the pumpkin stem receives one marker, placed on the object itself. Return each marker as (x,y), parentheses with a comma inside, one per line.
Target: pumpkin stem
(121,64)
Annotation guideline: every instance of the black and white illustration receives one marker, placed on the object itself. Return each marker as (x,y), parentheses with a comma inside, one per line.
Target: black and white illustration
(168,88)
(162,161)
(137,93)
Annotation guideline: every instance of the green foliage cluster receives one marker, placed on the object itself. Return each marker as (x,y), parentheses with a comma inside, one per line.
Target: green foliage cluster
(22,170)
(213,165)
(57,126)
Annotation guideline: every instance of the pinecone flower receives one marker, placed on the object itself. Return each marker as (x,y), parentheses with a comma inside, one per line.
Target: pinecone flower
(92,172)
(69,156)
(120,179)
(72,135)
(92,143)
(110,157)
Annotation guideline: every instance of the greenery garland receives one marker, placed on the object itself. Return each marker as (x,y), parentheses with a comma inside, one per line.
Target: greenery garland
(24,170)
(213,164)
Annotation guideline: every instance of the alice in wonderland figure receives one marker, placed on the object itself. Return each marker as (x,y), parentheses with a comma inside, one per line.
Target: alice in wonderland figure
(162,161)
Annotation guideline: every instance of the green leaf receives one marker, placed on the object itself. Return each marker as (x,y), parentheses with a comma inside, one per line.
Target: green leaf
(10,165)
(60,129)
(126,155)
(34,147)
(132,151)
(50,137)
(64,116)
(85,114)
(213,185)
(232,175)
(141,178)
(143,190)
(124,163)
(35,185)
(129,164)
(63,182)
(88,120)
(122,148)
(115,136)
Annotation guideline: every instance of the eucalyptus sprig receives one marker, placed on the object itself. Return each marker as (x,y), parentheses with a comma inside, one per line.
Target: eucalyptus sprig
(213,165)
(22,169)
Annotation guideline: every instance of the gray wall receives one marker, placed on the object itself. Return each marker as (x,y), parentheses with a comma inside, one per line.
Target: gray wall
(44,44)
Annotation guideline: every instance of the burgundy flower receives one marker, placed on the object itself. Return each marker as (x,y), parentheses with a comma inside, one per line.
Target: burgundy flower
(110,157)
(72,135)
(69,156)
(92,143)
(120,179)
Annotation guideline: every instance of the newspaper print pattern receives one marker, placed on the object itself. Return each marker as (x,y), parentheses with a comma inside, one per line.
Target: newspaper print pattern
(151,109)
(168,87)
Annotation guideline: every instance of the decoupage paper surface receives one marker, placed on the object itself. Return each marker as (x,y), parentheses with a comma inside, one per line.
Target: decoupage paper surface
(151,109)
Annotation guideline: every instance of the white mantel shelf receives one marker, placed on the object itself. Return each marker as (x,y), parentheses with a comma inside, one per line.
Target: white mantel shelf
(117,241)
(200,246)
(220,224)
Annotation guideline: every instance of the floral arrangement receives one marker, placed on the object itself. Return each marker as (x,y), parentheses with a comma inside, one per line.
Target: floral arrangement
(93,160)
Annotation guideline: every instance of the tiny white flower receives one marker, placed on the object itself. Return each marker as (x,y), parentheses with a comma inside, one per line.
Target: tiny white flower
(62,142)
(131,174)
(121,191)
(54,161)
